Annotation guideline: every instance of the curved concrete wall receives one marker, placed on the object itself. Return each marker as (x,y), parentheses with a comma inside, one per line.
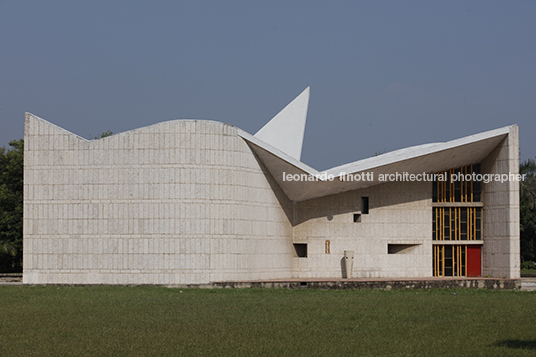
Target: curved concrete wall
(180,202)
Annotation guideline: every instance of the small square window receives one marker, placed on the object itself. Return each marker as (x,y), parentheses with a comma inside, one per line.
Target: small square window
(301,250)
(357,217)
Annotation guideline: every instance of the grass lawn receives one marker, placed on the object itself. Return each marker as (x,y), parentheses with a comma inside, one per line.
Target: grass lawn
(156,321)
(528,271)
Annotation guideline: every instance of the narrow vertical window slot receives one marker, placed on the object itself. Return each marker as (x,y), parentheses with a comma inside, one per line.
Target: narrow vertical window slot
(364,205)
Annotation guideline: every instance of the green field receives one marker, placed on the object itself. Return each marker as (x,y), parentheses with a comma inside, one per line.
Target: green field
(528,271)
(157,321)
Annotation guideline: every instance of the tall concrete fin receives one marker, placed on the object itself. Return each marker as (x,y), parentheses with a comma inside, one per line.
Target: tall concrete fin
(285,131)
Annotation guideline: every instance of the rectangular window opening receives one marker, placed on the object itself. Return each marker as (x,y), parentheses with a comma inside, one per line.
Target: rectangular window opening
(450,260)
(364,205)
(400,248)
(357,217)
(301,250)
(456,223)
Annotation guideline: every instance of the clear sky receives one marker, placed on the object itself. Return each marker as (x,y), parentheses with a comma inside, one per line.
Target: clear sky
(384,75)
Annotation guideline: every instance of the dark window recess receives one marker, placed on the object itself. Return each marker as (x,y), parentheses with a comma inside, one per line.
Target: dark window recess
(477,189)
(357,217)
(448,260)
(364,205)
(301,250)
(400,248)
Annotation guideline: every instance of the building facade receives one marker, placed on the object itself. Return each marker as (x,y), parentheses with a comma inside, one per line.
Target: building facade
(194,202)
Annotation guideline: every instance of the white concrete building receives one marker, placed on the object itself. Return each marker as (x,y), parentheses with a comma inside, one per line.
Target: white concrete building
(193,202)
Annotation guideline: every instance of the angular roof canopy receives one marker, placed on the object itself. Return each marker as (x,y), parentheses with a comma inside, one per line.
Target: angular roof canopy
(281,160)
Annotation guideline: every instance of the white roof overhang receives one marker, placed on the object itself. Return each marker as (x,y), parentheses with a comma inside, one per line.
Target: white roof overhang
(428,158)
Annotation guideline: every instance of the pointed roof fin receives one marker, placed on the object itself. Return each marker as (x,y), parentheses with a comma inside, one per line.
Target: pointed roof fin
(285,131)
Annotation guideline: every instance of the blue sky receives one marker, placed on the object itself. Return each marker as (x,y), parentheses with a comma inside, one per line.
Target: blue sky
(383,74)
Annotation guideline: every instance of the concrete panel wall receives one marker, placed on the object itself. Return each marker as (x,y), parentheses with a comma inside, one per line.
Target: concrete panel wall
(400,213)
(500,252)
(187,202)
(175,203)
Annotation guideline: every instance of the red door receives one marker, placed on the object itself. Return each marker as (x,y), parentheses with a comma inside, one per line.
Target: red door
(474,260)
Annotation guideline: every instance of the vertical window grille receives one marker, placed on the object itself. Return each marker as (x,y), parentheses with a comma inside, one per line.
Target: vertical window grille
(450,260)
(456,223)
(458,185)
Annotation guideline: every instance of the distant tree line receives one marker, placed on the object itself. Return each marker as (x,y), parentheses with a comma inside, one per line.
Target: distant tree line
(11,187)
(527,210)
(11,206)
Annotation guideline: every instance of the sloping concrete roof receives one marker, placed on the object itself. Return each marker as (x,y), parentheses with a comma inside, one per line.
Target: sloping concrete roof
(276,148)
(428,158)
